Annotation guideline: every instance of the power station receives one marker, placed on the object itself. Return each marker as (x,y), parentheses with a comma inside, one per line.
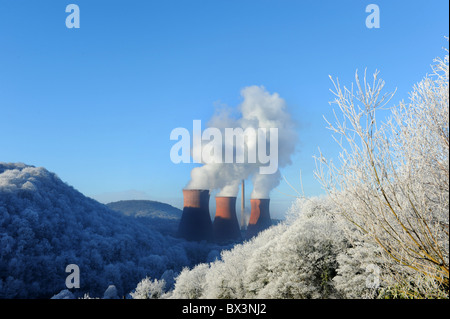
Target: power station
(196,224)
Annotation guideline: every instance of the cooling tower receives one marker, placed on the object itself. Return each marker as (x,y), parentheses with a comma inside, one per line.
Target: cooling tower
(226,226)
(259,217)
(195,223)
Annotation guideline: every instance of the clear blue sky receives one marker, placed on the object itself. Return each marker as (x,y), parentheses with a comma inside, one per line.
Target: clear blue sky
(96,105)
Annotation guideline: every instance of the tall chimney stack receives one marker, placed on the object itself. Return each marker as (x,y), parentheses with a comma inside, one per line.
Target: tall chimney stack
(195,223)
(243,206)
(226,225)
(259,217)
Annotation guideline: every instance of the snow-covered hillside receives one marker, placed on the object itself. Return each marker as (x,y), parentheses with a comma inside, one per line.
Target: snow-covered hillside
(46,224)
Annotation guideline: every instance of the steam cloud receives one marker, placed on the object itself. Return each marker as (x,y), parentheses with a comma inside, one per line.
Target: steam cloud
(259,109)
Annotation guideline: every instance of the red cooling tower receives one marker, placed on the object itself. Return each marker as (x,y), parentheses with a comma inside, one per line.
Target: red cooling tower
(226,226)
(195,223)
(259,217)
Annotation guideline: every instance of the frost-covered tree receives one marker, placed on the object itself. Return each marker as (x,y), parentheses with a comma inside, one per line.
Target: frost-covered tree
(148,289)
(393,177)
(190,283)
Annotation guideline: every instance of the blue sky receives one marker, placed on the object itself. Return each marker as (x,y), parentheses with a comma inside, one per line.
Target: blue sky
(97,104)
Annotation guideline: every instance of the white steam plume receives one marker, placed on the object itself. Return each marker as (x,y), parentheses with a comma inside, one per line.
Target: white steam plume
(259,109)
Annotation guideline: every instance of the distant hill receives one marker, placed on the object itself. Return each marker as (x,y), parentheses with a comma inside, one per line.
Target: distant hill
(146,208)
(158,216)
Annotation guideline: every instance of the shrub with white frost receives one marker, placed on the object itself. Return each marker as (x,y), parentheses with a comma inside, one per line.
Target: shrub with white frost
(190,283)
(148,289)
(359,272)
